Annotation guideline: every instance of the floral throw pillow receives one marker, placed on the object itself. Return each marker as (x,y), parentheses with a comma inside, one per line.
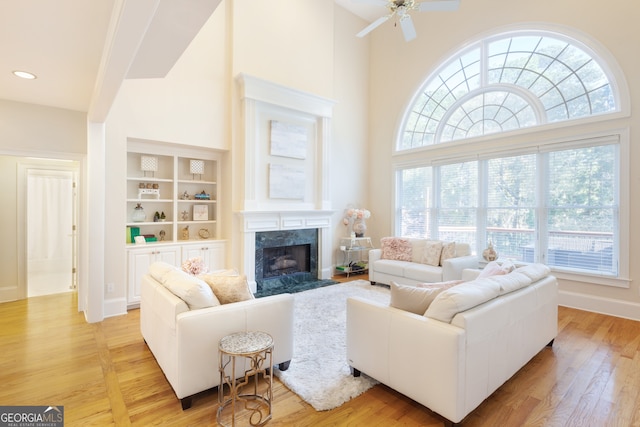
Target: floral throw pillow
(432,252)
(448,251)
(396,248)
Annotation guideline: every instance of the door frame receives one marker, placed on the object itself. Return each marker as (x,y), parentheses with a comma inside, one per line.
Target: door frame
(24,165)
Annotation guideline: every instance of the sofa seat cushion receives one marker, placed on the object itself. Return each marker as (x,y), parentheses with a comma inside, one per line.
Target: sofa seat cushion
(391,267)
(461,298)
(423,272)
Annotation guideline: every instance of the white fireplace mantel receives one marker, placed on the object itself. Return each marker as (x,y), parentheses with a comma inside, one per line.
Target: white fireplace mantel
(252,222)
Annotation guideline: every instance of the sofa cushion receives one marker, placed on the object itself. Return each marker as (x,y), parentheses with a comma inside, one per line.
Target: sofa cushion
(158,270)
(391,267)
(416,299)
(228,288)
(534,272)
(461,298)
(511,282)
(192,290)
(432,252)
(422,272)
(448,251)
(395,248)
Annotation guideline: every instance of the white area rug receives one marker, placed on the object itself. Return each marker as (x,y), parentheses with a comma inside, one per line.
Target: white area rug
(319,372)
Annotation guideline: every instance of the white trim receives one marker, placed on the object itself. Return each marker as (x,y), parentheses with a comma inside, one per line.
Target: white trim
(115,307)
(602,305)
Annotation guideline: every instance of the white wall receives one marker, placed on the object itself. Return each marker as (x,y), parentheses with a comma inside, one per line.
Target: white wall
(196,104)
(399,68)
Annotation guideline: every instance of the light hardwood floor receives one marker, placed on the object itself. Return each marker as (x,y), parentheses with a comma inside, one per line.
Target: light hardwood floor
(103,374)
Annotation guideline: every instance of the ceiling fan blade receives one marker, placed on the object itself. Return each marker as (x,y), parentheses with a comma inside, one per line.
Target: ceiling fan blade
(372,26)
(408,29)
(439,5)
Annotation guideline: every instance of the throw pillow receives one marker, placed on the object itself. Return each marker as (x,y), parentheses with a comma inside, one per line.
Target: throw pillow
(495,269)
(229,289)
(411,298)
(195,292)
(448,251)
(395,248)
(432,252)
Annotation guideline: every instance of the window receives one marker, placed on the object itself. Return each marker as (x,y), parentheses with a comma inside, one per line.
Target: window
(571,225)
(505,83)
(549,194)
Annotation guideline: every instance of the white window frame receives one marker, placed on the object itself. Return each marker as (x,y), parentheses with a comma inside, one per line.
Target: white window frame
(584,140)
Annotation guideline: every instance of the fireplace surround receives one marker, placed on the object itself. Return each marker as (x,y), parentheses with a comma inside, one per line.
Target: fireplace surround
(285,256)
(277,229)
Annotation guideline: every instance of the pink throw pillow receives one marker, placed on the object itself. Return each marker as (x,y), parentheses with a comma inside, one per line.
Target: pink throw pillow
(396,248)
(495,269)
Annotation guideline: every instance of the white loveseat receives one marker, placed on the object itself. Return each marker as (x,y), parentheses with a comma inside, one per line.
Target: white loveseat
(473,337)
(405,260)
(184,340)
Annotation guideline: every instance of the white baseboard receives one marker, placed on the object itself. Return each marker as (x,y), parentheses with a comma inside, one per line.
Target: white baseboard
(602,305)
(115,307)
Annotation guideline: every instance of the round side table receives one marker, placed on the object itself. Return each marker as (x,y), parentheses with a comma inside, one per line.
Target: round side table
(249,397)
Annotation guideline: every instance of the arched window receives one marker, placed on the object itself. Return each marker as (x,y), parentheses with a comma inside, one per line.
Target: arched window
(505,83)
(539,195)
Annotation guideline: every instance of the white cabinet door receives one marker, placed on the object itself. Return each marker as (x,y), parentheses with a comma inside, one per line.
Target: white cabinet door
(139,262)
(211,252)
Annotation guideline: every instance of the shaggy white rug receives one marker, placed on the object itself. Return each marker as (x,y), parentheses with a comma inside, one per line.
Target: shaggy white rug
(319,372)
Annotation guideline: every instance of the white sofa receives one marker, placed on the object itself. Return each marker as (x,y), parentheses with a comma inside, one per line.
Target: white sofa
(185,341)
(414,271)
(496,326)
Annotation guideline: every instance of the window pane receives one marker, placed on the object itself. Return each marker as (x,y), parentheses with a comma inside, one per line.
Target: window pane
(567,81)
(458,203)
(414,190)
(511,190)
(582,210)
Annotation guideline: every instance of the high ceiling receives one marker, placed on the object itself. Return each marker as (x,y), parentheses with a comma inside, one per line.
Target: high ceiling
(81,54)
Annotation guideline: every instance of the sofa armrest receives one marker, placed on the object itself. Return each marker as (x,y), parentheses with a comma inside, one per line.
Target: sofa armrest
(374,255)
(452,267)
(199,332)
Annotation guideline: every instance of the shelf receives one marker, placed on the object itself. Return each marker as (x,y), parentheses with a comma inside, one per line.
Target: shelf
(148,179)
(195,181)
(195,201)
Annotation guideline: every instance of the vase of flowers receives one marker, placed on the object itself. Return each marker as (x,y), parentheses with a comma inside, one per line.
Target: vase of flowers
(356,219)
(194,266)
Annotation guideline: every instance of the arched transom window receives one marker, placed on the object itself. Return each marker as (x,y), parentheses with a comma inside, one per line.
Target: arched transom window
(507,83)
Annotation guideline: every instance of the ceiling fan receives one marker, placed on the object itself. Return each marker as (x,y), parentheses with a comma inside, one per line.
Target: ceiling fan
(401,9)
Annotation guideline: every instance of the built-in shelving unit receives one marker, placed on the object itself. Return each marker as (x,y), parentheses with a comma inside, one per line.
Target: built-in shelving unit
(180,184)
(184,204)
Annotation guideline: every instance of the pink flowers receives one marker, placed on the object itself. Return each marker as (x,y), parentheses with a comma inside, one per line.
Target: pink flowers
(194,266)
(353,214)
(357,214)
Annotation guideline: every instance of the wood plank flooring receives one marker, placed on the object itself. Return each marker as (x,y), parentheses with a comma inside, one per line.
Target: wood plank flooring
(103,374)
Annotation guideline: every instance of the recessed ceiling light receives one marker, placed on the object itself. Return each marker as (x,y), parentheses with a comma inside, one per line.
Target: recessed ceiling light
(24,74)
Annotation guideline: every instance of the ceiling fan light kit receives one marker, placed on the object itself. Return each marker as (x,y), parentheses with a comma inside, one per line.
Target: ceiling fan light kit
(401,9)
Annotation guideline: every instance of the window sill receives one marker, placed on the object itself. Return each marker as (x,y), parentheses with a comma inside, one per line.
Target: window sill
(595,279)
